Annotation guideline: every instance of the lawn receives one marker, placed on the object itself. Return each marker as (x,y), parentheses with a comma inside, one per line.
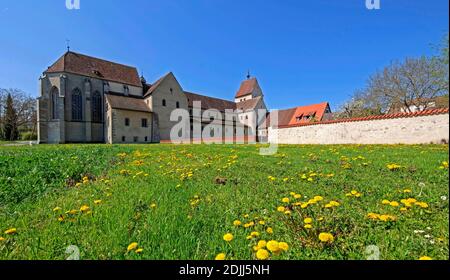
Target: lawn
(225,201)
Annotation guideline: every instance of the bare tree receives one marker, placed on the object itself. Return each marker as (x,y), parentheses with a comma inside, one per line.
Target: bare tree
(24,106)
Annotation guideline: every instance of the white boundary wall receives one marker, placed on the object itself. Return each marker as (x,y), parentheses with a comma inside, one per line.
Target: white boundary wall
(408,130)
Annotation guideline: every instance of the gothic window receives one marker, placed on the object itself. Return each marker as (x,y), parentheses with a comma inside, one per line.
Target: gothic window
(54,99)
(178,105)
(97,115)
(77,105)
(164,103)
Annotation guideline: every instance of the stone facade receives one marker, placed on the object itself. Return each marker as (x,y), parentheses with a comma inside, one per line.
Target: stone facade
(89,100)
(414,129)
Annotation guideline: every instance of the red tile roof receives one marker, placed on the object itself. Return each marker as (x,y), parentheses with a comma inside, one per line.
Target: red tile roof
(127,103)
(209,102)
(288,117)
(249,104)
(93,67)
(378,117)
(247,87)
(315,111)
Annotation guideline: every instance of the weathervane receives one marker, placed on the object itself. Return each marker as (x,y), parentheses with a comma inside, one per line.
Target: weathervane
(248,75)
(68,45)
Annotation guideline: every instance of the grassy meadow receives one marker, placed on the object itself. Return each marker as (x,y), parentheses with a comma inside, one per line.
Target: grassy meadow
(224,201)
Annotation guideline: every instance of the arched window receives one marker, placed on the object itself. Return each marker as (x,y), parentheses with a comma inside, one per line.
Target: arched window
(164,103)
(178,105)
(97,113)
(77,105)
(54,99)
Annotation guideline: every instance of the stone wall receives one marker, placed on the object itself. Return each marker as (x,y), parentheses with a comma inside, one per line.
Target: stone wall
(411,129)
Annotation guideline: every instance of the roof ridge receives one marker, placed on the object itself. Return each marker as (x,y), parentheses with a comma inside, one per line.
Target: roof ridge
(310,105)
(93,57)
(429,112)
(189,92)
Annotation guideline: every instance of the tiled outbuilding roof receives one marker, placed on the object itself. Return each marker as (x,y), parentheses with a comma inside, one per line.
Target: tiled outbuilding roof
(209,102)
(80,64)
(117,101)
(378,117)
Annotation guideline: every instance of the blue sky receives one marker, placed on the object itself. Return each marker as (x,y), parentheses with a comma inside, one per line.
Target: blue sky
(302,52)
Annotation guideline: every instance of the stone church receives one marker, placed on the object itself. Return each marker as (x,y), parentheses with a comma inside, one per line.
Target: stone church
(84,99)
(90,100)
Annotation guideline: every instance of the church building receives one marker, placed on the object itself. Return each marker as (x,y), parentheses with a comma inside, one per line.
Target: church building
(84,99)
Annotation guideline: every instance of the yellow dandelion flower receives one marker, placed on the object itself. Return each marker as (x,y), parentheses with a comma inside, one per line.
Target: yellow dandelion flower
(2,239)
(228,237)
(297,196)
(407,191)
(273,246)
(138,251)
(403,209)
(153,205)
(78,185)
(287,212)
(328,205)
(254,234)
(11,231)
(220,257)
(394,204)
(97,202)
(285,200)
(237,223)
(308,226)
(262,254)
(318,198)
(281,209)
(326,237)
(385,202)
(304,205)
(132,246)
(334,203)
(84,208)
(353,192)
(269,230)
(283,246)
(262,222)
(308,220)
(72,212)
(262,244)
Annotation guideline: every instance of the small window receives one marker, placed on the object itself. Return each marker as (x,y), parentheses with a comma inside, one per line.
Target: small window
(246,117)
(146,139)
(127,122)
(144,123)
(135,139)
(123,138)
(164,103)
(178,105)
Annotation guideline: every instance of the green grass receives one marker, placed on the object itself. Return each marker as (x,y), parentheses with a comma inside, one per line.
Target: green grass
(148,196)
